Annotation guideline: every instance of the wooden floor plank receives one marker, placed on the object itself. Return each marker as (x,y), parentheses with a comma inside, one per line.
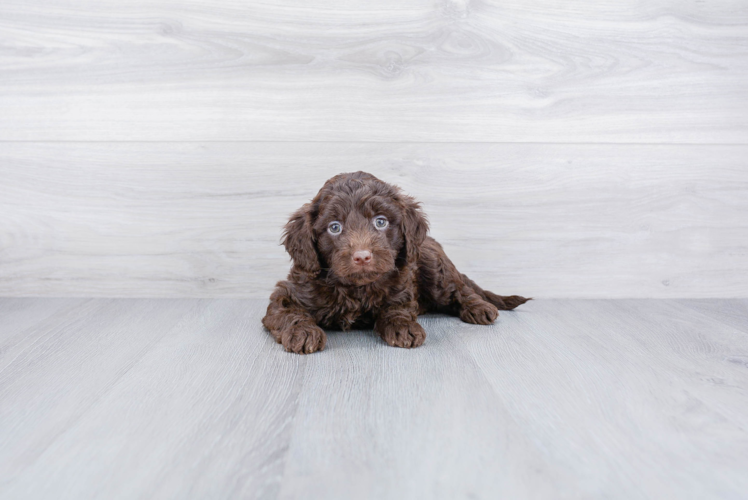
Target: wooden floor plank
(203,413)
(624,397)
(19,314)
(733,312)
(66,363)
(384,423)
(192,399)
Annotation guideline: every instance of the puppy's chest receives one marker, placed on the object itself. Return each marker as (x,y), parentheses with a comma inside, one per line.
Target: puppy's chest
(353,306)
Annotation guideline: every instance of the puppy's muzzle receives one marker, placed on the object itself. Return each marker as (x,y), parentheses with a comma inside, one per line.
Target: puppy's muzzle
(362,258)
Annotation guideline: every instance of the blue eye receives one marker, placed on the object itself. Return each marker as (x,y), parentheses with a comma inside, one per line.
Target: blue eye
(381,222)
(334,227)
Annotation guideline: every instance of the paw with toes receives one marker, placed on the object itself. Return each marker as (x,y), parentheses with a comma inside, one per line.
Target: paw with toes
(407,335)
(479,313)
(303,339)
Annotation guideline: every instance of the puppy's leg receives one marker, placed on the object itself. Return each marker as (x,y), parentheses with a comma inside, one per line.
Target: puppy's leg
(503,303)
(443,288)
(292,325)
(397,325)
(472,308)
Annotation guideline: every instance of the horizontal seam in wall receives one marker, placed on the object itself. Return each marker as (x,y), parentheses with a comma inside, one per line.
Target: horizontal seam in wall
(738,144)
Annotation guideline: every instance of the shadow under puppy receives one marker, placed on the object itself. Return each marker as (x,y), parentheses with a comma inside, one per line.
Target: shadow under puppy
(362,257)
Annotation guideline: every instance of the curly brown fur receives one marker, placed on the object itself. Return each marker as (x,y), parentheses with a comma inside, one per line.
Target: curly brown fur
(361,275)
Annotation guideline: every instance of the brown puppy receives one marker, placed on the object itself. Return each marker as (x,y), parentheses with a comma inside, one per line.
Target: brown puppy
(362,257)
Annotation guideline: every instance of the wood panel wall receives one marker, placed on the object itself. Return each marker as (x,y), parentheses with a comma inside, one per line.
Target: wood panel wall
(561,149)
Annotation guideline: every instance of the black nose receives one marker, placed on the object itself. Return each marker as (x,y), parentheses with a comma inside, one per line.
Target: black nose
(361,257)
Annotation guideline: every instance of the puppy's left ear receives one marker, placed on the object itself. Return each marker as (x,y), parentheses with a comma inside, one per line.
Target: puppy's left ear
(299,241)
(415,227)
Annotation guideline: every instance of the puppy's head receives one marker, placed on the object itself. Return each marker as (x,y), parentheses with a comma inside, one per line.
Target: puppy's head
(357,227)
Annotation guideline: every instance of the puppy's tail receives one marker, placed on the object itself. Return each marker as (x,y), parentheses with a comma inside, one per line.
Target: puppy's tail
(503,303)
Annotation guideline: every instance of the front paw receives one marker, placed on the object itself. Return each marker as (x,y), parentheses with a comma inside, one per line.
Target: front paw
(407,335)
(479,313)
(303,339)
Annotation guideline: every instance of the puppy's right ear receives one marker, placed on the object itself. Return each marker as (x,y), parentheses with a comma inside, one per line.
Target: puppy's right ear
(299,241)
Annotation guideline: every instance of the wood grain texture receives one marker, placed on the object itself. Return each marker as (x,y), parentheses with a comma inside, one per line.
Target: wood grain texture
(175,375)
(191,399)
(204,219)
(663,71)
(731,312)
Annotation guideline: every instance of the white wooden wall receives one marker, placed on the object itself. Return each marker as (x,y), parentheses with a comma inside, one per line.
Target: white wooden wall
(561,149)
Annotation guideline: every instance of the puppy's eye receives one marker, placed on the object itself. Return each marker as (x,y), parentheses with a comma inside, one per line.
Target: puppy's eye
(381,222)
(334,227)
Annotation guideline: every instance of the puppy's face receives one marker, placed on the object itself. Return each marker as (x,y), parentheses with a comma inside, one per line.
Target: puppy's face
(358,228)
(359,236)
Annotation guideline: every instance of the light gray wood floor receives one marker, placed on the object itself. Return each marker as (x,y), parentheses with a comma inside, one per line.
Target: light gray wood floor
(189,398)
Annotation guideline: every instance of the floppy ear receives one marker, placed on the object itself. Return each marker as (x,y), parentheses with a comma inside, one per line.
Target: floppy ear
(299,241)
(414,227)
